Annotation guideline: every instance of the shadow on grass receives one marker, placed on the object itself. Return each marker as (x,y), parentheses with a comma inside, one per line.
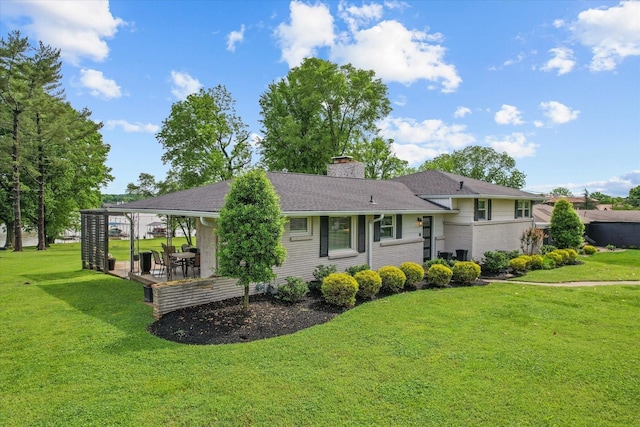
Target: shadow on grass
(54,277)
(113,301)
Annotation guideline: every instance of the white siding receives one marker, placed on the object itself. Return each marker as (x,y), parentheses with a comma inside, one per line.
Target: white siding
(497,235)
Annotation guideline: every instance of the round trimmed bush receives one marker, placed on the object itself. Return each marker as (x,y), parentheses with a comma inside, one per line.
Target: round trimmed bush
(555,257)
(392,278)
(564,254)
(414,273)
(573,255)
(589,250)
(535,262)
(465,272)
(439,275)
(369,283)
(519,264)
(340,289)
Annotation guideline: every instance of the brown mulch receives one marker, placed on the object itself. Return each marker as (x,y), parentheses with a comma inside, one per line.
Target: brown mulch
(225,322)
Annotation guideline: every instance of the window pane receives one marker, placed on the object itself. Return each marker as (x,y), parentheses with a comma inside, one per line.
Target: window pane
(298,225)
(339,233)
(386,227)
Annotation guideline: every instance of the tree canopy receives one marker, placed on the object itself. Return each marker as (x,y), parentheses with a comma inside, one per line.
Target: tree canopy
(483,163)
(634,196)
(561,191)
(318,111)
(52,158)
(250,228)
(379,159)
(204,140)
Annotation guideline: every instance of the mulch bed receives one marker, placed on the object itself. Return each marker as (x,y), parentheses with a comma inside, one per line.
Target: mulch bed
(225,322)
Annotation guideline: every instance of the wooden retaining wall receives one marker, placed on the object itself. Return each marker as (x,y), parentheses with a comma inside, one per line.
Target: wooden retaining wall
(171,296)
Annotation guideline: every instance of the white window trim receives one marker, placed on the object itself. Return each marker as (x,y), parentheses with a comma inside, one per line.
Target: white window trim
(485,209)
(526,207)
(346,252)
(392,227)
(298,233)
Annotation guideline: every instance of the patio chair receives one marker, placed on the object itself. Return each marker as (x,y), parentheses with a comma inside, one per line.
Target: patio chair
(185,247)
(169,262)
(157,261)
(196,264)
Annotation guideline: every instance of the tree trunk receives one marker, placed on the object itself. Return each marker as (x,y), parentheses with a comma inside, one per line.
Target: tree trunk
(10,238)
(42,234)
(245,301)
(15,157)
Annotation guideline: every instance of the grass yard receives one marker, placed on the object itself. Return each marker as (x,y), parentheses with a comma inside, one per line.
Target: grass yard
(75,352)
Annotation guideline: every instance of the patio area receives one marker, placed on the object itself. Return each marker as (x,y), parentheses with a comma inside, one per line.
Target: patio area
(122,270)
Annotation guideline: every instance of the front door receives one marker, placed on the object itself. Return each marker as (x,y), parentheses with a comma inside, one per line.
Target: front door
(426,236)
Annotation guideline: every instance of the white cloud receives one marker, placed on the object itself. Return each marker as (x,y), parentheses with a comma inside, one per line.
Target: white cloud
(99,85)
(538,123)
(234,38)
(311,27)
(394,52)
(612,34)
(416,141)
(558,23)
(519,58)
(398,54)
(558,113)
(562,61)
(515,145)
(132,127)
(461,112)
(617,186)
(355,16)
(78,28)
(183,84)
(508,115)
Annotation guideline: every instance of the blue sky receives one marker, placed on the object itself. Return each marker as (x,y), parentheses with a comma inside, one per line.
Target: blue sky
(555,84)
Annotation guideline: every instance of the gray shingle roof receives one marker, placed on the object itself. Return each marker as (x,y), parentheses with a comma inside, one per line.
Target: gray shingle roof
(299,193)
(445,184)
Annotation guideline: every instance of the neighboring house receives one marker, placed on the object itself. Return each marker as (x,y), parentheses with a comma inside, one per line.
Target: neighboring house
(346,220)
(490,217)
(577,202)
(602,227)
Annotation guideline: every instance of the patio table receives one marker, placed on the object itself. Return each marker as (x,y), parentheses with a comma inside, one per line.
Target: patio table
(183,258)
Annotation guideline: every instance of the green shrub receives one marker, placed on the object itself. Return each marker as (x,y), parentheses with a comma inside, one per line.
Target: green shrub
(392,278)
(357,268)
(340,289)
(413,272)
(465,272)
(519,264)
(428,263)
(548,262)
(589,250)
(611,247)
(320,272)
(535,262)
(545,249)
(556,257)
(439,275)
(369,283)
(573,255)
(495,261)
(564,254)
(293,290)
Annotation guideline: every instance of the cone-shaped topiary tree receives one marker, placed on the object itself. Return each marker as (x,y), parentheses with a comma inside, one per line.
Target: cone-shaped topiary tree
(566,229)
(250,230)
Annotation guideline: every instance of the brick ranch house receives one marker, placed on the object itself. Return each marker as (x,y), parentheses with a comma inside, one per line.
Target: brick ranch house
(346,220)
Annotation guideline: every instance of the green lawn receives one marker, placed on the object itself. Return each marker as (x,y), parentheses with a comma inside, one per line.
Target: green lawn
(75,352)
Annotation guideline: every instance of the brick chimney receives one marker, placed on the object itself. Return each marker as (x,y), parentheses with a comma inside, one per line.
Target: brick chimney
(345,167)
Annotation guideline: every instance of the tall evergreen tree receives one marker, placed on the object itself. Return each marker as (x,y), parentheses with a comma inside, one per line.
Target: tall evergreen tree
(566,228)
(250,230)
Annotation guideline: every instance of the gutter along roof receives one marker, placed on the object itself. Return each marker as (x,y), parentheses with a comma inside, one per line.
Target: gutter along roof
(300,194)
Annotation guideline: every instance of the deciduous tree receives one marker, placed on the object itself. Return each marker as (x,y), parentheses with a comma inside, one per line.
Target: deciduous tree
(318,111)
(204,140)
(483,163)
(379,159)
(250,230)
